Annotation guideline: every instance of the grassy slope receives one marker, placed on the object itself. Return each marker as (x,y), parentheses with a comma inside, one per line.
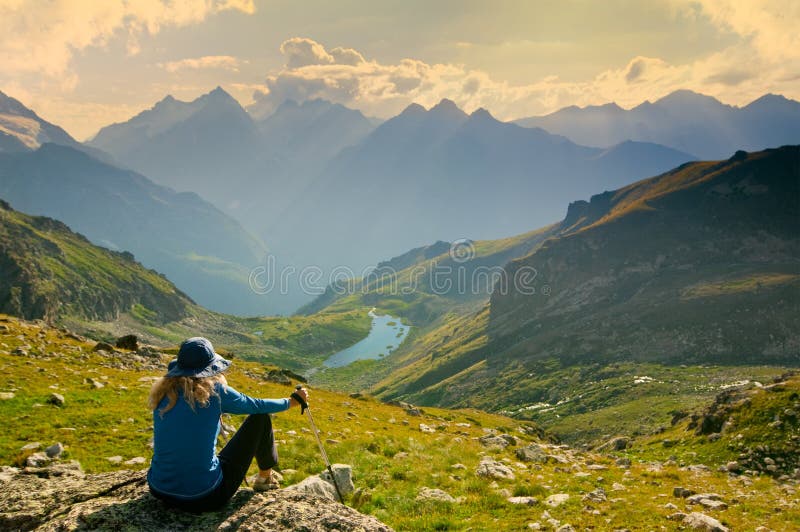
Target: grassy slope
(391,457)
(57,272)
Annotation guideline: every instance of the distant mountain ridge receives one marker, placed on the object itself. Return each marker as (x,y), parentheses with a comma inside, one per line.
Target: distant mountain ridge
(248,167)
(684,120)
(440,174)
(697,265)
(21,129)
(202,250)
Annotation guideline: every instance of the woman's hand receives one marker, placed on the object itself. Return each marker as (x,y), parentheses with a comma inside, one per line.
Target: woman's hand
(302,392)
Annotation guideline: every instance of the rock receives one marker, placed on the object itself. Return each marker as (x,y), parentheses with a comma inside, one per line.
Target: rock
(490,468)
(412,411)
(598,495)
(532,453)
(557,499)
(529,501)
(700,521)
(276,375)
(427,429)
(733,467)
(322,486)
(681,492)
(56,399)
(458,466)
(434,494)
(55,450)
(30,446)
(623,462)
(103,346)
(712,501)
(120,500)
(511,440)
(115,459)
(135,460)
(565,528)
(620,443)
(38,459)
(714,436)
(6,395)
(492,441)
(129,342)
(94,383)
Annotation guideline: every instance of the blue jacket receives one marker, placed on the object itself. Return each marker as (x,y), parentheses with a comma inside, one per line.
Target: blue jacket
(185,464)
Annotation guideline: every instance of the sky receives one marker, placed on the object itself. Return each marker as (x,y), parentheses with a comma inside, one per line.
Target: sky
(84,64)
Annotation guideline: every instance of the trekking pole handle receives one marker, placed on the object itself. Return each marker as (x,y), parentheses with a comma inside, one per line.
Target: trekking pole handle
(297,397)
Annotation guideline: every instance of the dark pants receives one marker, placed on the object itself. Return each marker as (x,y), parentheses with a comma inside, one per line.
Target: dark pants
(253,439)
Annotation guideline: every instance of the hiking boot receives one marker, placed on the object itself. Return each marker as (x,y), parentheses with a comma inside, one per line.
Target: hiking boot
(272,482)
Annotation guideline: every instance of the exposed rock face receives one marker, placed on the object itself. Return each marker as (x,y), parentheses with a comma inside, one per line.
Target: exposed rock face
(52,499)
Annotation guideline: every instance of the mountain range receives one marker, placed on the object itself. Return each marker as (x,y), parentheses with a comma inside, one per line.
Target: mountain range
(246,166)
(440,174)
(684,120)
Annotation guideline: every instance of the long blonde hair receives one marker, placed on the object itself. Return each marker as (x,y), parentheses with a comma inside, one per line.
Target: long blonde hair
(195,391)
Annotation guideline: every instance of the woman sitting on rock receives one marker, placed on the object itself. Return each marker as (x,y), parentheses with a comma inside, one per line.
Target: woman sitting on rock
(187,402)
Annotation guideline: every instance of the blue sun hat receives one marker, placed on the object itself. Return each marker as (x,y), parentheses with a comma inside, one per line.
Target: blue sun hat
(196,358)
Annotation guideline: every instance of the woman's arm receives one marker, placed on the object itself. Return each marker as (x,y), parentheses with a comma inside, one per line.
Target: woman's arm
(234,402)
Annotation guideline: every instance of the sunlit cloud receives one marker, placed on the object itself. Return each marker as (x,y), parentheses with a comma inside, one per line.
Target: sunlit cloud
(223,62)
(738,73)
(43,37)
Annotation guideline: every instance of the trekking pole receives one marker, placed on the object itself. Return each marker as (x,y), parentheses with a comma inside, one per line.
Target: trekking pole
(304,408)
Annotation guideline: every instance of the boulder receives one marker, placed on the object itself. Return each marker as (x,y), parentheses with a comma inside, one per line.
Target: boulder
(434,494)
(490,468)
(56,399)
(55,450)
(129,342)
(700,521)
(322,486)
(532,453)
(120,500)
(528,501)
(103,346)
(620,443)
(492,441)
(557,499)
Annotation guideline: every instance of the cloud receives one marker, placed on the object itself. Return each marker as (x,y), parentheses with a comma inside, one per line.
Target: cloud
(771,25)
(223,62)
(42,37)
(312,71)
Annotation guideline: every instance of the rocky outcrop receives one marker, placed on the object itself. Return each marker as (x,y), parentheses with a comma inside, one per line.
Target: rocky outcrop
(61,497)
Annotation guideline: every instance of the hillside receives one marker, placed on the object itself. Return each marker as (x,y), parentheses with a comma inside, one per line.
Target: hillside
(49,272)
(684,120)
(414,469)
(205,252)
(440,174)
(698,266)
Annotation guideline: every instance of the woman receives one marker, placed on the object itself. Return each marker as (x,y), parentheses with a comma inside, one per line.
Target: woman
(187,403)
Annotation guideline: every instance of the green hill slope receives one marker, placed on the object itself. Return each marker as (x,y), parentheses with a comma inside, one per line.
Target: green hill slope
(49,272)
